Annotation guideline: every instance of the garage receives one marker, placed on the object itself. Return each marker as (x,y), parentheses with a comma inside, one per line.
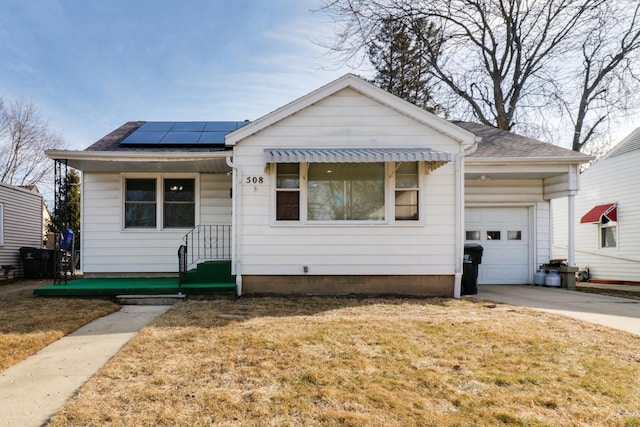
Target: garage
(503,232)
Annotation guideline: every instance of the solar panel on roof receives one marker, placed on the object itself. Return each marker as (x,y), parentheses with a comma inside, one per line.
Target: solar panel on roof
(157,126)
(189,127)
(141,137)
(212,137)
(220,127)
(181,137)
(181,133)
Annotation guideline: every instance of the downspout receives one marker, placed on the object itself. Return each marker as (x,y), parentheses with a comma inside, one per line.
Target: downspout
(236,201)
(458,163)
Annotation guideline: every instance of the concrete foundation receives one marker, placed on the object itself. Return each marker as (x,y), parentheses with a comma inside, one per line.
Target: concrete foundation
(435,285)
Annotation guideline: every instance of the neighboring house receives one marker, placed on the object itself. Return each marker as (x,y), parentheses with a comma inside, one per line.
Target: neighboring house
(348,189)
(20,223)
(607,210)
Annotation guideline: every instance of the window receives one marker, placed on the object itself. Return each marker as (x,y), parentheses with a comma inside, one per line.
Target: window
(179,203)
(407,191)
(288,192)
(173,202)
(514,235)
(608,233)
(493,235)
(140,203)
(345,192)
(472,235)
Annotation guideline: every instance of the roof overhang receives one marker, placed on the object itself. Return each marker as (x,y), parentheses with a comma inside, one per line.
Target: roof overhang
(598,213)
(354,155)
(118,162)
(521,167)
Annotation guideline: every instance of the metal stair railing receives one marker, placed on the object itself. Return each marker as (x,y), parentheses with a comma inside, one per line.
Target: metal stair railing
(206,243)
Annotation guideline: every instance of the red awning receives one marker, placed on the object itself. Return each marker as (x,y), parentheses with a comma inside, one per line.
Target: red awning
(596,214)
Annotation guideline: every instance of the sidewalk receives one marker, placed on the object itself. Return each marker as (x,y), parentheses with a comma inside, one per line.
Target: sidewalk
(613,312)
(33,390)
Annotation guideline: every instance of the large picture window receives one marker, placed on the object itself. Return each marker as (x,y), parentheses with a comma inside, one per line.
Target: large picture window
(345,192)
(173,202)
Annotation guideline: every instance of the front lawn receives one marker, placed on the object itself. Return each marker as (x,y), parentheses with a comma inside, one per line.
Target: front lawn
(364,362)
(28,323)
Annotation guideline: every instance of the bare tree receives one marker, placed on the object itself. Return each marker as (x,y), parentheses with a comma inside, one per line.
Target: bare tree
(514,64)
(24,136)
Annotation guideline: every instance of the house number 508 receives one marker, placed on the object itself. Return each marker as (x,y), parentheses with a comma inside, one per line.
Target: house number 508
(254,180)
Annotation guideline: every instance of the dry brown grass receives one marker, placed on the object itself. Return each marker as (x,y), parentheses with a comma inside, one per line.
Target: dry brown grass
(28,323)
(364,362)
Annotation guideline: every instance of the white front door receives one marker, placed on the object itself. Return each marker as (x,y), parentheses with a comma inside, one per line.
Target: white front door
(504,236)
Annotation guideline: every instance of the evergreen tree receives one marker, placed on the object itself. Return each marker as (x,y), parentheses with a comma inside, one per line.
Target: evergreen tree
(68,203)
(400,64)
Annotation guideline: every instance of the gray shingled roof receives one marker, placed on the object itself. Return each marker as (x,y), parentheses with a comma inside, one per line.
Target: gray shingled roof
(501,143)
(494,143)
(111,142)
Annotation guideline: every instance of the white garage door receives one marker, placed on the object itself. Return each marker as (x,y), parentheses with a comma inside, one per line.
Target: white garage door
(504,235)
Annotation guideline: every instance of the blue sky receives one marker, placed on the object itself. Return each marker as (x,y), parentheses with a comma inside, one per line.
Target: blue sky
(92,65)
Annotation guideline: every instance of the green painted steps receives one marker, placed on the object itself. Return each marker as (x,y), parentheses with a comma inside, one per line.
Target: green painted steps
(208,278)
(210,272)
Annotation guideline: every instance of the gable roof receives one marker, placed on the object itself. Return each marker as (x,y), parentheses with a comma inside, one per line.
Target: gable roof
(496,144)
(365,88)
(630,143)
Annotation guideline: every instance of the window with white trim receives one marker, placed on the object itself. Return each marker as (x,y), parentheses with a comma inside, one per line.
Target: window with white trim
(608,233)
(327,192)
(159,202)
(407,191)
(288,192)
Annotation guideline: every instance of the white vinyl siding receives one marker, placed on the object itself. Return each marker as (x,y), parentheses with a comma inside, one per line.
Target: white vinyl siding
(346,119)
(109,248)
(610,180)
(21,216)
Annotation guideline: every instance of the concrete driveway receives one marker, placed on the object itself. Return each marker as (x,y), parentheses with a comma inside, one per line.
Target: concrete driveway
(614,312)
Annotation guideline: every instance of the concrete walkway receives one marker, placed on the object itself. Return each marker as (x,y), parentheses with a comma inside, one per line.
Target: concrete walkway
(614,312)
(33,390)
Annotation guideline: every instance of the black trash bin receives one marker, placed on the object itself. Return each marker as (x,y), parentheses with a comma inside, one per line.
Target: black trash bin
(472,258)
(36,262)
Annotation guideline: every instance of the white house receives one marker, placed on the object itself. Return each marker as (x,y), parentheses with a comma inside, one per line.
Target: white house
(607,211)
(20,223)
(348,189)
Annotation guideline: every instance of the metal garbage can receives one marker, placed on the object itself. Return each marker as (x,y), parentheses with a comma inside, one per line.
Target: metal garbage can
(472,258)
(36,262)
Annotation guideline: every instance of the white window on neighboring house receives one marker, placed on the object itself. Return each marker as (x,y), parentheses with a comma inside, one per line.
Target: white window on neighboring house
(608,233)
(1,224)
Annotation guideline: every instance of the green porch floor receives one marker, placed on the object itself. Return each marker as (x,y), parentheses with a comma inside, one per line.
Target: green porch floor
(111,287)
